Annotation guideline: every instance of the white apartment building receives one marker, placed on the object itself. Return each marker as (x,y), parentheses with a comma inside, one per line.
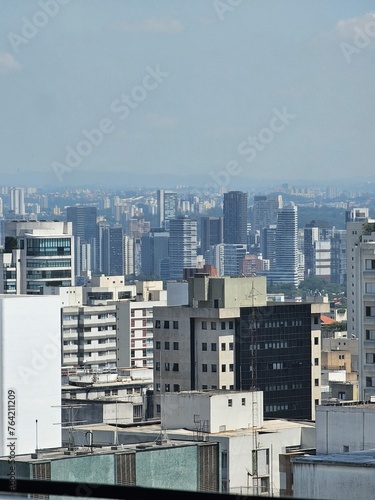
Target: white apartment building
(37,254)
(111,324)
(30,371)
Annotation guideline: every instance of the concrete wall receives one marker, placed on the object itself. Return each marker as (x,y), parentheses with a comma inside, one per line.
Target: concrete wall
(172,468)
(333,482)
(30,364)
(339,426)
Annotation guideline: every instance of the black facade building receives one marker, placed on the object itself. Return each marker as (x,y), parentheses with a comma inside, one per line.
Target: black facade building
(274,354)
(212,232)
(235,217)
(85,231)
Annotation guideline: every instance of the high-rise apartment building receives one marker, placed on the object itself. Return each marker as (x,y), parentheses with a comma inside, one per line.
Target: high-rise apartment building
(167,206)
(360,232)
(212,232)
(235,217)
(17,201)
(37,254)
(287,261)
(182,246)
(85,231)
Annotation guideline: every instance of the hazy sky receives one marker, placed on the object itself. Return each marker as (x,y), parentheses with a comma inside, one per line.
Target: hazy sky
(260,88)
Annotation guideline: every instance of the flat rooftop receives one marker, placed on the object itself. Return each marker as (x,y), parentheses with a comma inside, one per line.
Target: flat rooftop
(354,459)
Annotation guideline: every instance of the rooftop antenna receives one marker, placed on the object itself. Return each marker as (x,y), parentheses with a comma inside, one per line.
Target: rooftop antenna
(36,436)
(254,403)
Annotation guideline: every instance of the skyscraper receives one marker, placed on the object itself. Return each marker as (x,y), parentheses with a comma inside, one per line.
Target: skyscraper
(265,210)
(235,217)
(212,232)
(182,245)
(167,206)
(85,231)
(286,247)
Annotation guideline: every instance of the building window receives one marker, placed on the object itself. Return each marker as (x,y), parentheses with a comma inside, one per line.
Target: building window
(230,402)
(231,387)
(166,324)
(370,311)
(223,346)
(231,325)
(176,388)
(175,346)
(166,346)
(316,340)
(345,449)
(370,264)
(223,368)
(316,320)
(167,388)
(204,387)
(370,381)
(204,368)
(370,358)
(213,346)
(175,325)
(316,382)
(175,367)
(158,344)
(204,325)
(213,325)
(157,387)
(166,367)
(204,346)
(223,325)
(213,368)
(243,401)
(231,346)
(370,334)
(316,361)
(157,408)
(157,323)
(231,367)
(216,303)
(370,287)
(316,402)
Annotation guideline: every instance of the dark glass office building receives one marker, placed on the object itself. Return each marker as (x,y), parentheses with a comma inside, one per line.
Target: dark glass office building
(273,353)
(235,217)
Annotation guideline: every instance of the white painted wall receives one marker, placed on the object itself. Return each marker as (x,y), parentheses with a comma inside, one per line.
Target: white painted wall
(30,364)
(179,410)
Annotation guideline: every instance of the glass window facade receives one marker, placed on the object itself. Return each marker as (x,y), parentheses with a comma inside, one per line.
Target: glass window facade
(48,247)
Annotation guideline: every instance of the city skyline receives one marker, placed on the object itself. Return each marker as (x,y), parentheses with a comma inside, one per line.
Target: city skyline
(219,94)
